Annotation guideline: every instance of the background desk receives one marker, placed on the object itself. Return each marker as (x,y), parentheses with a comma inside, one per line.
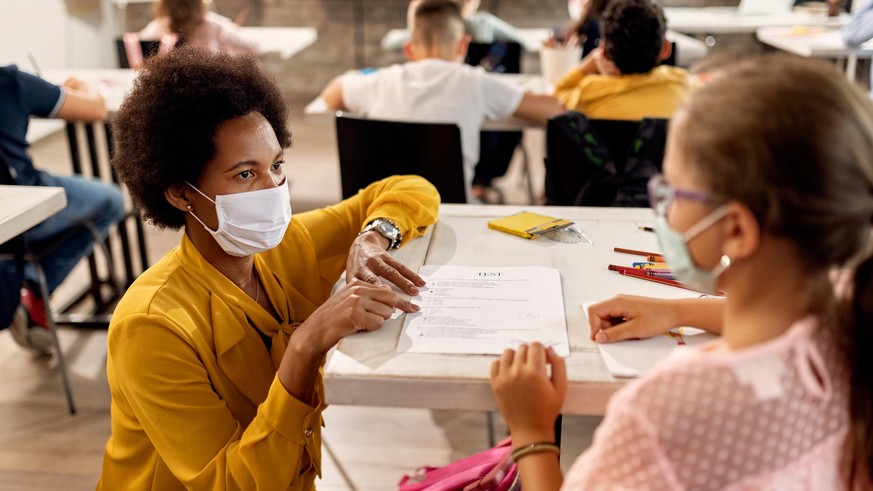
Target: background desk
(24,207)
(725,20)
(365,369)
(816,43)
(286,41)
(112,83)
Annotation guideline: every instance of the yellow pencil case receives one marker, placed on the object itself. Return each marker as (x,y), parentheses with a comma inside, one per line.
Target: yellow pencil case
(528,225)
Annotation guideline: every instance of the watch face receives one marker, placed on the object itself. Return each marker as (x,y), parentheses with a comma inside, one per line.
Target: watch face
(388,230)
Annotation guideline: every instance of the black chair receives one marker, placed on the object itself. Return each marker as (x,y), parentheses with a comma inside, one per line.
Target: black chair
(20,250)
(370,150)
(149,49)
(602,162)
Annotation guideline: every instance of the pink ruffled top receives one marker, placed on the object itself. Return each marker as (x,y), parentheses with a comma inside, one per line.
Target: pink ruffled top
(773,416)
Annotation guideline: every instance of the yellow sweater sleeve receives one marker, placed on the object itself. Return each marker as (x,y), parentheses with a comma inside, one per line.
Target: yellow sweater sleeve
(167,389)
(409,201)
(569,90)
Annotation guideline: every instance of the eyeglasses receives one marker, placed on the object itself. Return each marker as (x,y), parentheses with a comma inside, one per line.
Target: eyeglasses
(661,194)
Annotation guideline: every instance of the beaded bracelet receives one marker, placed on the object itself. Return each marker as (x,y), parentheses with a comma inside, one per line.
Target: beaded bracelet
(532,448)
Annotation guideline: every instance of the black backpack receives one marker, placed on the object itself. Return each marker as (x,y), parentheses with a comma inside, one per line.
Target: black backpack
(602,162)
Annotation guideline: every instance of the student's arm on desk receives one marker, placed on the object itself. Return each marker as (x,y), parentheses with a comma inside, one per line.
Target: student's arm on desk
(538,108)
(81,102)
(646,317)
(333,94)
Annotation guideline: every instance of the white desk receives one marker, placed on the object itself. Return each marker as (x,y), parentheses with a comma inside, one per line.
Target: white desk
(38,129)
(816,43)
(286,41)
(365,369)
(688,49)
(24,207)
(317,112)
(725,20)
(113,83)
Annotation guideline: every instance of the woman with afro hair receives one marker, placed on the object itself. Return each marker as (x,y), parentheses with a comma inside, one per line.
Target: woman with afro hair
(215,352)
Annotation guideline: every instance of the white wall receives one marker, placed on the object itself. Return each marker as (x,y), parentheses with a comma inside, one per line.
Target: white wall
(59,33)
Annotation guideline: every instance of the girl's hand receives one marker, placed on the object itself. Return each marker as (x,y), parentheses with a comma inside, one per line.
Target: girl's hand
(368,260)
(629,317)
(528,398)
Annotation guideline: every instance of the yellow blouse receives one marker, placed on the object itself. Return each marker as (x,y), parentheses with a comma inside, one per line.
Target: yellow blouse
(655,94)
(196,402)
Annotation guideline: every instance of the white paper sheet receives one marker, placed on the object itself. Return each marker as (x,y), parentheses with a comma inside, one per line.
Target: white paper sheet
(635,357)
(473,310)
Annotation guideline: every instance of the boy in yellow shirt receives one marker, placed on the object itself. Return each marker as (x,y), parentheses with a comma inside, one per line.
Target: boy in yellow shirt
(621,79)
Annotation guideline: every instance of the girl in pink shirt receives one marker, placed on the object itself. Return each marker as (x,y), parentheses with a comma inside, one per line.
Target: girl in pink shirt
(190,21)
(767,187)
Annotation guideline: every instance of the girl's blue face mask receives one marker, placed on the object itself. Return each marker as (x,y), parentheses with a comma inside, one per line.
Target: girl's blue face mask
(674,245)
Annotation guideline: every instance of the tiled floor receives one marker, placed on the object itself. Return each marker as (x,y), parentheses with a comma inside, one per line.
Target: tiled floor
(41,447)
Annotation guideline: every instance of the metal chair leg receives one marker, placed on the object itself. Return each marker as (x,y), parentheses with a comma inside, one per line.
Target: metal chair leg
(527,173)
(53,328)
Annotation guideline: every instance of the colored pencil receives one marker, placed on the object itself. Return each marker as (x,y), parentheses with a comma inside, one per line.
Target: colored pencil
(634,252)
(647,229)
(646,275)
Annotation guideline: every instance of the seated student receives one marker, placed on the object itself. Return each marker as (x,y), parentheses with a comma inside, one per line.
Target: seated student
(496,148)
(436,86)
(190,22)
(482,27)
(21,96)
(783,400)
(215,352)
(859,30)
(621,79)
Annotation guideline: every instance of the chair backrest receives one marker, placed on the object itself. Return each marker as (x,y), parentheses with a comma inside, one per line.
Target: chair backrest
(149,49)
(498,57)
(371,149)
(602,162)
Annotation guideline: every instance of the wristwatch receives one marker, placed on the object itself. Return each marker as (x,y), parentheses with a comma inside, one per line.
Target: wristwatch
(388,229)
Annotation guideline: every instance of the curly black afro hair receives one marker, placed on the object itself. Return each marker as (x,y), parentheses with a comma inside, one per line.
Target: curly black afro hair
(633,32)
(164,132)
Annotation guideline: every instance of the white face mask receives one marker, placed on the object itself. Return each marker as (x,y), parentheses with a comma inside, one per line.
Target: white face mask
(674,247)
(251,222)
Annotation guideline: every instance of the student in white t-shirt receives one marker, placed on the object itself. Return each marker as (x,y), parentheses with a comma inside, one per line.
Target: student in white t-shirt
(436,86)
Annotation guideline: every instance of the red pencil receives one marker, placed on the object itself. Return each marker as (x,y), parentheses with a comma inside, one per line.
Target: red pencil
(644,275)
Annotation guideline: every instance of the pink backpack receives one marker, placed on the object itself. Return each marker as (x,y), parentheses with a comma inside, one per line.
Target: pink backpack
(491,470)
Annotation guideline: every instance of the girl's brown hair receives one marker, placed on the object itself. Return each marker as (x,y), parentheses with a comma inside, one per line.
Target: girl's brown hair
(792,139)
(184,15)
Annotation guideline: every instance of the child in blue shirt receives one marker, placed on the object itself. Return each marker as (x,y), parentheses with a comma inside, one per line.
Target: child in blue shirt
(88,200)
